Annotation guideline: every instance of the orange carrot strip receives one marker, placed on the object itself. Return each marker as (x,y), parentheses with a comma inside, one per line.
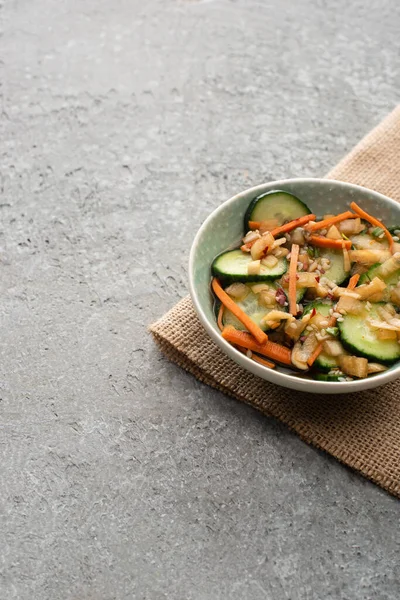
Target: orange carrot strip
(294,257)
(254,329)
(292,225)
(284,228)
(256,358)
(240,348)
(264,362)
(353,281)
(367,217)
(270,349)
(331,221)
(323,242)
(267,225)
(220,315)
(332,321)
(315,354)
(255,225)
(278,230)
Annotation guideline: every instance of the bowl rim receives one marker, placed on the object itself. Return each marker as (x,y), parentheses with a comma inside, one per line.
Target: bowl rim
(284,379)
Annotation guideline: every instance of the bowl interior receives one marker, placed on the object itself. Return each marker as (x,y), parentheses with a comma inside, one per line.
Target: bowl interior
(224,228)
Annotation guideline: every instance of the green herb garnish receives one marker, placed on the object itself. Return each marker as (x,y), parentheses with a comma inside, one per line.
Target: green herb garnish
(377,232)
(333,331)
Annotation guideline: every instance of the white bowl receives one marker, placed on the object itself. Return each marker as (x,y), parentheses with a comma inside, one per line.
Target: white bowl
(224,227)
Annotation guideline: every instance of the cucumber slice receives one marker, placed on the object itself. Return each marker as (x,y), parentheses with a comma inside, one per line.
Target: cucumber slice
(369,275)
(299,294)
(336,271)
(324,361)
(279,205)
(391,281)
(321,306)
(364,241)
(232,266)
(330,377)
(252,308)
(360,339)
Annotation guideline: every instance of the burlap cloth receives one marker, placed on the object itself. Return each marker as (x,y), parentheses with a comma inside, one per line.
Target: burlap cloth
(361,430)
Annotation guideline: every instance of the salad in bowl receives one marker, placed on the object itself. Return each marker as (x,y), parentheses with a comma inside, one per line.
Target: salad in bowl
(315,296)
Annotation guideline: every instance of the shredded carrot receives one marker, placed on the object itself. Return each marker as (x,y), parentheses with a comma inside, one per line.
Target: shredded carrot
(254,329)
(240,348)
(331,221)
(267,225)
(220,316)
(323,242)
(315,354)
(278,230)
(292,225)
(332,321)
(255,225)
(353,281)
(284,228)
(256,358)
(294,257)
(367,217)
(270,349)
(264,362)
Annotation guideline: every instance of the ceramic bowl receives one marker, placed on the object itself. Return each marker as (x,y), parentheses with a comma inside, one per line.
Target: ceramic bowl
(224,228)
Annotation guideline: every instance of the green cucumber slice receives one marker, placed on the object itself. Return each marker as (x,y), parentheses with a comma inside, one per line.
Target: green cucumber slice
(324,361)
(330,377)
(364,241)
(391,281)
(369,275)
(336,271)
(279,205)
(299,294)
(321,306)
(232,266)
(252,308)
(361,340)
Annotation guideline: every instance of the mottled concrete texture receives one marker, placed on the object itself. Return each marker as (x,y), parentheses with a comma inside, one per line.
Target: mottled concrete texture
(123,124)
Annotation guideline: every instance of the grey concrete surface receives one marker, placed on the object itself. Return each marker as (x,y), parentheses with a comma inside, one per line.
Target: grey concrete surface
(123,124)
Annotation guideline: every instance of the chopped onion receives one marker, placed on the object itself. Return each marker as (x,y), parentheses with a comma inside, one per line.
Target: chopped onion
(239,291)
(251,236)
(254,267)
(269,261)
